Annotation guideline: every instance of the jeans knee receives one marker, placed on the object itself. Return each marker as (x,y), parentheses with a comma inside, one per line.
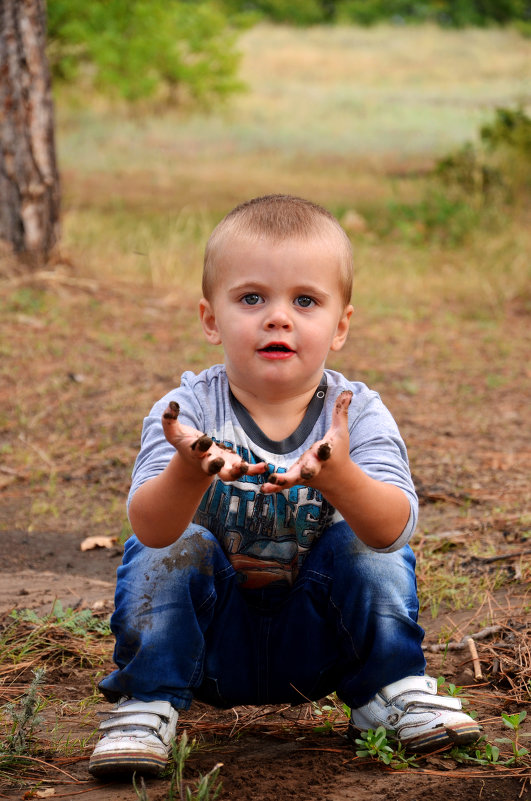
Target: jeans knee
(163,582)
(383,581)
(195,550)
(348,550)
(188,568)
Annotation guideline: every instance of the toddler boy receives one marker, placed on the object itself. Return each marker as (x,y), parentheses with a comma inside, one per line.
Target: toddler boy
(272,504)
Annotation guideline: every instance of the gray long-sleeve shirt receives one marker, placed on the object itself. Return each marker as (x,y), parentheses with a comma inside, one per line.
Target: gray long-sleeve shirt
(267,536)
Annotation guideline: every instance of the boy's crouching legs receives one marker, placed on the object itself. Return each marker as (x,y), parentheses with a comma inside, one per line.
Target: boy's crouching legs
(165,601)
(388,686)
(373,598)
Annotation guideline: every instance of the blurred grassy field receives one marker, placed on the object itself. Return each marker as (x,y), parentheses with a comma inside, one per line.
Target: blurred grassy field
(349,117)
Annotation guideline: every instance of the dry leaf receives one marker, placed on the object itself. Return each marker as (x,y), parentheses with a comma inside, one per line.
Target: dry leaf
(89,543)
(47,792)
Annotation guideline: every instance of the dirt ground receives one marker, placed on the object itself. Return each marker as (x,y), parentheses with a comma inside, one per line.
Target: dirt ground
(83,362)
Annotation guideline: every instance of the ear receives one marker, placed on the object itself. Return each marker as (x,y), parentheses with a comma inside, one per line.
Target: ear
(342,328)
(208,321)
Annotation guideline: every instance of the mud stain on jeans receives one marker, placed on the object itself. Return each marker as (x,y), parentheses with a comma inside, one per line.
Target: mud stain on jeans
(193,552)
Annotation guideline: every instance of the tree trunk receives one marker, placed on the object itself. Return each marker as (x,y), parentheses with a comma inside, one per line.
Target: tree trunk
(29,181)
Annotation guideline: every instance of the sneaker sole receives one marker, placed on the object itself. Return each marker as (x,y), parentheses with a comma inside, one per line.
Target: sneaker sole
(130,763)
(441,737)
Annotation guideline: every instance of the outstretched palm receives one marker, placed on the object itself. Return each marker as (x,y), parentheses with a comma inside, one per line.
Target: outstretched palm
(201,452)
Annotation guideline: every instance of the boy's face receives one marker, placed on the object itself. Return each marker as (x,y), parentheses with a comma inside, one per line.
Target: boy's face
(278,311)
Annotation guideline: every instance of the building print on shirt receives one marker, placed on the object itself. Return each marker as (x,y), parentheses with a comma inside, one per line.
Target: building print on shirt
(265,537)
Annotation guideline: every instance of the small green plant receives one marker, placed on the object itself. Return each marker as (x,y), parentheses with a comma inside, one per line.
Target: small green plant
(482,752)
(485,753)
(375,744)
(140,790)
(455,691)
(207,787)
(25,720)
(451,689)
(491,754)
(514,722)
(324,712)
(80,622)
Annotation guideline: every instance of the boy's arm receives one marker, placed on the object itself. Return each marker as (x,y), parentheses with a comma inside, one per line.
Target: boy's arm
(376,511)
(162,507)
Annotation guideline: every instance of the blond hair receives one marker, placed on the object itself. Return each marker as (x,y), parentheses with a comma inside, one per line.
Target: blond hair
(277,218)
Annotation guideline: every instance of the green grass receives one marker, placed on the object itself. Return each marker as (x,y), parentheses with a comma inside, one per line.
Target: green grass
(64,637)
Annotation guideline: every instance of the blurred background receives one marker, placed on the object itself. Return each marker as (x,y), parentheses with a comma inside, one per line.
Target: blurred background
(411,121)
(408,120)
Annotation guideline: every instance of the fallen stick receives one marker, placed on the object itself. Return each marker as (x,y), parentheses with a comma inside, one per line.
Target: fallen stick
(475,659)
(488,559)
(459,646)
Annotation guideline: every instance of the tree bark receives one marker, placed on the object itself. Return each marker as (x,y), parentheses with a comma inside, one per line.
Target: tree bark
(29,180)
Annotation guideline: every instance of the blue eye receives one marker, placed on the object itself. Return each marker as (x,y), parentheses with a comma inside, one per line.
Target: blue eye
(251,299)
(304,301)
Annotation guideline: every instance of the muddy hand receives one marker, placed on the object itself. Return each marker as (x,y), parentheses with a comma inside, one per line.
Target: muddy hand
(330,450)
(199,450)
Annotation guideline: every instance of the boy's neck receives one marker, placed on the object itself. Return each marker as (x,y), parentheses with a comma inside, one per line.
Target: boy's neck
(277,417)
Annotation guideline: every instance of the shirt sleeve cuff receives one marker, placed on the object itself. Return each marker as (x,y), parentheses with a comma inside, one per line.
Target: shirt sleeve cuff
(403,538)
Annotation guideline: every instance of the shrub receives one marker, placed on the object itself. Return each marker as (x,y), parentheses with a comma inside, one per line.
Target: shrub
(470,187)
(510,130)
(134,49)
(501,159)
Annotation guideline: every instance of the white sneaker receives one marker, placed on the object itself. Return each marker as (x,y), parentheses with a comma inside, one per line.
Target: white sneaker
(420,719)
(137,736)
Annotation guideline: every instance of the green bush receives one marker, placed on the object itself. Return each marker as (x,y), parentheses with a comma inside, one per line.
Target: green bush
(510,130)
(466,169)
(134,49)
(471,187)
(501,159)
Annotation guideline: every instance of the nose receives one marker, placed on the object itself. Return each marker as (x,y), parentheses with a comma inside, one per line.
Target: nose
(278,317)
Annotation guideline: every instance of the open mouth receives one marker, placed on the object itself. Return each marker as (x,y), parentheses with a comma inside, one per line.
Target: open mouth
(276,350)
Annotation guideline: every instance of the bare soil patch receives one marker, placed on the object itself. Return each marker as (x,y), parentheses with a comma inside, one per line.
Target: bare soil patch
(83,361)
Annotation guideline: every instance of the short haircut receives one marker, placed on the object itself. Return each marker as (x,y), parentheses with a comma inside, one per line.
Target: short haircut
(278,218)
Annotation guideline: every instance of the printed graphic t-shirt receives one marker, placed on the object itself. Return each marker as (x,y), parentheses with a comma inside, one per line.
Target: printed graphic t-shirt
(266,537)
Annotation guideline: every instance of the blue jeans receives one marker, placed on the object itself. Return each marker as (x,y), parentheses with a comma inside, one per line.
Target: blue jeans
(184,628)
